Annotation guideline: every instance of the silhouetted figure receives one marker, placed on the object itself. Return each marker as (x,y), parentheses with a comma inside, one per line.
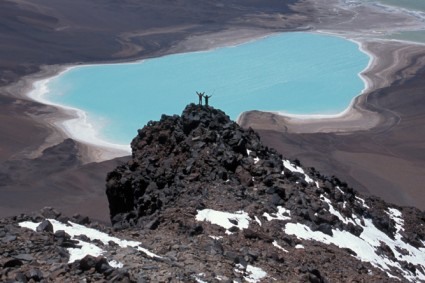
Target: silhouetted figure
(200,95)
(206,99)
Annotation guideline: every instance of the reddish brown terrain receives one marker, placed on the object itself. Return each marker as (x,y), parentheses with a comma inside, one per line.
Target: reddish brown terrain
(40,167)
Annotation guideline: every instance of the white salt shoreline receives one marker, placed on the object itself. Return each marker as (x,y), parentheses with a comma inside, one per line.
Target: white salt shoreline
(78,127)
(367,86)
(351,113)
(73,122)
(345,114)
(81,129)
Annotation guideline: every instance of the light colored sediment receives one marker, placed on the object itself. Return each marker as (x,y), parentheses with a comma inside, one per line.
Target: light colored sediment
(391,57)
(358,23)
(48,116)
(129,49)
(391,60)
(363,19)
(55,116)
(399,65)
(228,37)
(360,162)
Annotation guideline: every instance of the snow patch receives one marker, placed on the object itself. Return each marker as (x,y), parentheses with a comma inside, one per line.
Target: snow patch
(255,274)
(294,168)
(239,268)
(222,219)
(367,244)
(279,215)
(29,225)
(362,201)
(116,264)
(199,280)
(216,237)
(396,215)
(74,230)
(258,220)
(256,159)
(341,191)
(308,179)
(335,212)
(299,246)
(278,246)
(86,249)
(251,273)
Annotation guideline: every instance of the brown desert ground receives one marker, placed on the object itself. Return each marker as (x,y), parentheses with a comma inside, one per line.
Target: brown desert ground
(377,146)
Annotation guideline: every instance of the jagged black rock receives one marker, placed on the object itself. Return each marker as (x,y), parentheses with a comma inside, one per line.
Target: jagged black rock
(202,162)
(173,155)
(183,164)
(203,154)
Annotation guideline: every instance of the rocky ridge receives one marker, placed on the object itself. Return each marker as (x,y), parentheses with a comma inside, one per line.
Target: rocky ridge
(192,170)
(202,200)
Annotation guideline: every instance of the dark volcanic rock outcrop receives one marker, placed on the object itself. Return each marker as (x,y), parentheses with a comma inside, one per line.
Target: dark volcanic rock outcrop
(202,200)
(39,255)
(200,176)
(177,156)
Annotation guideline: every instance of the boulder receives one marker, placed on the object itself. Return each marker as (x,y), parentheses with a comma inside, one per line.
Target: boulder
(45,226)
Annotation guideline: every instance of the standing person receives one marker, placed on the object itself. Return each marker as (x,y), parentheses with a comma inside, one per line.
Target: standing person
(206,99)
(200,95)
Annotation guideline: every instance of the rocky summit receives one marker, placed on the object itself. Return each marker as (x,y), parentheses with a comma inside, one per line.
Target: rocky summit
(222,205)
(203,200)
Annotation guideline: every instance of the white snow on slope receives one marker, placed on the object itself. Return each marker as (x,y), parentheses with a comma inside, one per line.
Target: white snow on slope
(199,280)
(255,274)
(396,215)
(335,212)
(258,220)
(216,237)
(294,168)
(341,191)
(222,218)
(116,264)
(74,229)
(279,246)
(252,274)
(366,245)
(279,215)
(362,201)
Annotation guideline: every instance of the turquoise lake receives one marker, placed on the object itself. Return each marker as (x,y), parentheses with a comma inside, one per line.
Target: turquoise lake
(415,6)
(418,5)
(297,73)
